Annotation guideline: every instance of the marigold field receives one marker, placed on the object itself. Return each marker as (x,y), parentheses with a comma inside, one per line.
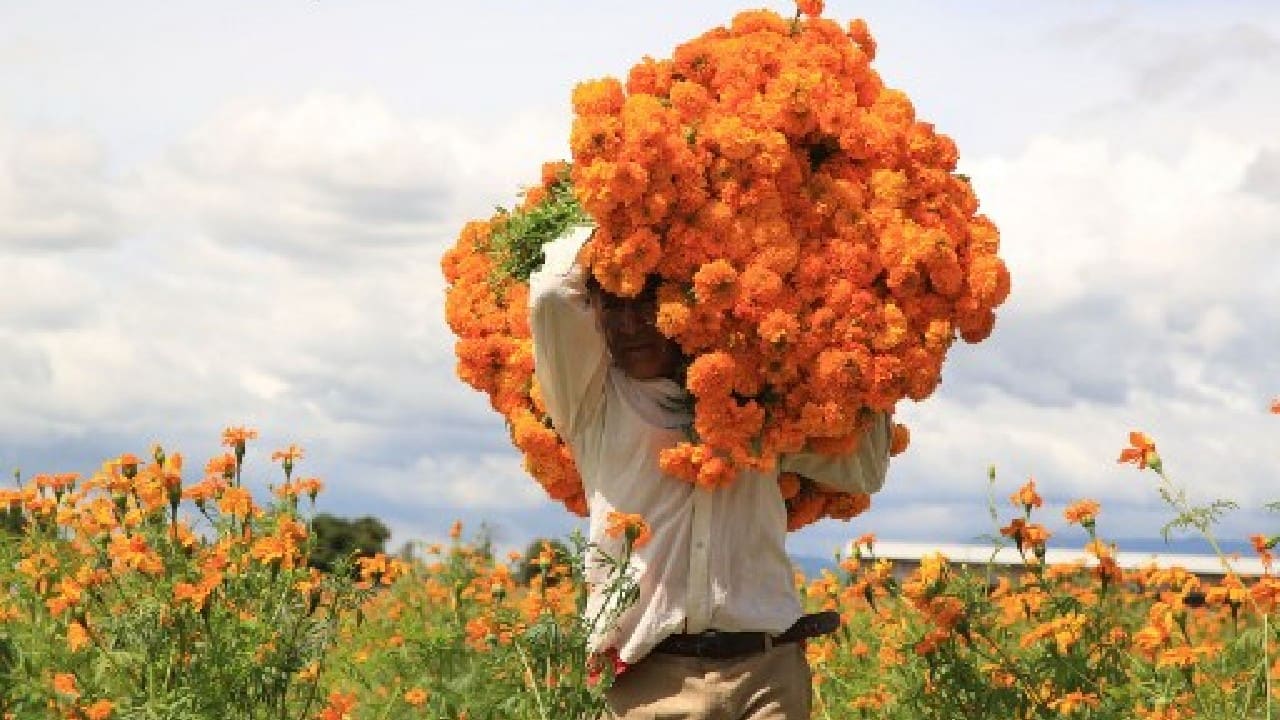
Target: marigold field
(148,590)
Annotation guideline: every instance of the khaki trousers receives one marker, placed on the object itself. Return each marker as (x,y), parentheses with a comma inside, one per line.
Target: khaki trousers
(773,685)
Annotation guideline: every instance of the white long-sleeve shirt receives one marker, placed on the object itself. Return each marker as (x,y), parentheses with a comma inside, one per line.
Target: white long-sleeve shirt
(717,558)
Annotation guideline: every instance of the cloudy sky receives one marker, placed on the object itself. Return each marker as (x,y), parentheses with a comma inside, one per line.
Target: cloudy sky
(232,213)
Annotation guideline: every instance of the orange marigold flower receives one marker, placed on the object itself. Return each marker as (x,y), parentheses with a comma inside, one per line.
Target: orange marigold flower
(1141,452)
(931,642)
(289,454)
(872,700)
(128,462)
(77,636)
(1181,657)
(1026,497)
(779,327)
(715,282)
(190,592)
(1065,631)
(1100,550)
(208,489)
(340,706)
(236,501)
(236,437)
(715,472)
(1262,545)
(900,440)
(804,509)
(416,696)
(286,458)
(554,170)
(845,506)
(310,486)
(59,482)
(1025,534)
(1082,512)
(1164,712)
(712,375)
(598,97)
(788,485)
(1036,535)
(65,684)
(480,632)
(99,710)
(1014,529)
(223,466)
(271,549)
(133,552)
(810,8)
(1074,700)
(631,526)
(861,34)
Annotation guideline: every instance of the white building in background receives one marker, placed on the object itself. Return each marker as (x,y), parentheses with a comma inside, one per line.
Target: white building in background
(906,558)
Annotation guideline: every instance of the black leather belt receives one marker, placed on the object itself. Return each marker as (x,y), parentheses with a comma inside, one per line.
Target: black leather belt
(723,645)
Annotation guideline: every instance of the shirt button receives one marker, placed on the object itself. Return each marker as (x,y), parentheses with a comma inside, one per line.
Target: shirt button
(700,545)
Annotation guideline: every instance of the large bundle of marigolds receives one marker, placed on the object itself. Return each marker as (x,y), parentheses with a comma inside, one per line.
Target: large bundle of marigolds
(817,250)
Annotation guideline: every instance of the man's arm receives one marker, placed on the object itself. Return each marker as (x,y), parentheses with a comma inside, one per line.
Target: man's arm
(862,470)
(569,353)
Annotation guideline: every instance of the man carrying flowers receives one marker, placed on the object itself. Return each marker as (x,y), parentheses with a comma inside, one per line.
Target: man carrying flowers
(716,628)
(783,250)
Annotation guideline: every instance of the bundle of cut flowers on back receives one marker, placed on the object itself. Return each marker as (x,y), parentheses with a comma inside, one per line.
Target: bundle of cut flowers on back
(818,253)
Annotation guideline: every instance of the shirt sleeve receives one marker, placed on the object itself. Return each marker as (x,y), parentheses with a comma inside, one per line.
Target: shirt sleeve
(863,470)
(569,353)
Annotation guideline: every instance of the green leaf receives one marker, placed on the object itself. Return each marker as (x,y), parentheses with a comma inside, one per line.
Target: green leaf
(516,245)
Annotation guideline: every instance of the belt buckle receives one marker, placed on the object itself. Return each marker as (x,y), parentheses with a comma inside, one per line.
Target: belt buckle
(706,643)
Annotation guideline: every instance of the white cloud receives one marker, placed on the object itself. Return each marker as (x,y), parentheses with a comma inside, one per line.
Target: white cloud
(54,193)
(1081,216)
(47,293)
(340,178)
(490,481)
(185,309)
(1262,178)
(1138,268)
(487,491)
(22,367)
(330,175)
(1203,62)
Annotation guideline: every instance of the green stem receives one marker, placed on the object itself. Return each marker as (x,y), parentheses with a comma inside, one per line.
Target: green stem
(1205,531)
(533,681)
